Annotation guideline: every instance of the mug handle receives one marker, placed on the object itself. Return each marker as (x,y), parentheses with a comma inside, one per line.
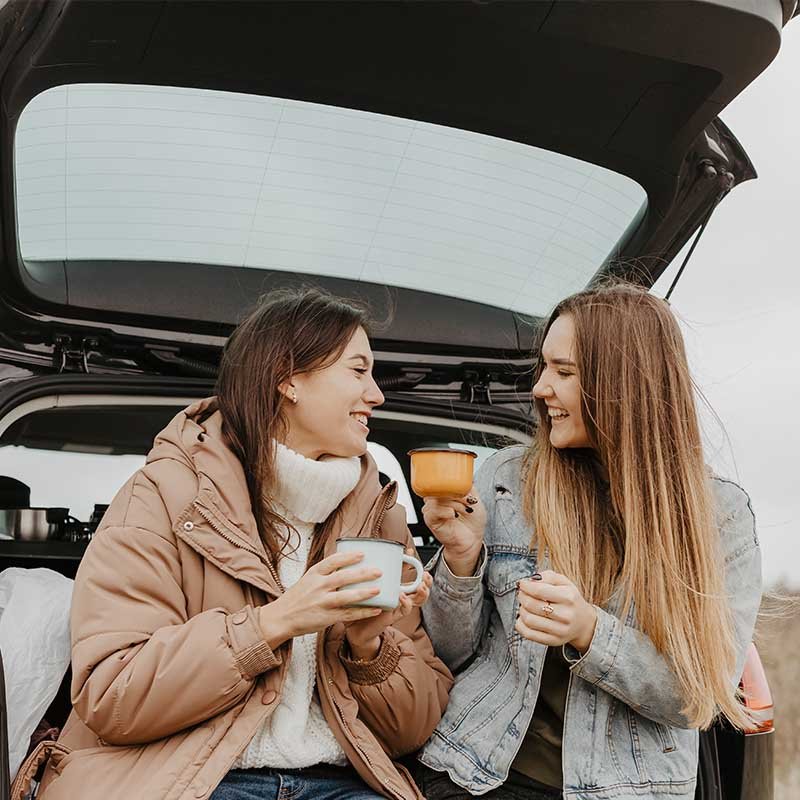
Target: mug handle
(408,588)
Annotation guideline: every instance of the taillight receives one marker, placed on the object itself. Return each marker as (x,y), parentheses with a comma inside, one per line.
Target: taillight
(756,694)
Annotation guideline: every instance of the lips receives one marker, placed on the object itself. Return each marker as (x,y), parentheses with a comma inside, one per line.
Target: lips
(362,419)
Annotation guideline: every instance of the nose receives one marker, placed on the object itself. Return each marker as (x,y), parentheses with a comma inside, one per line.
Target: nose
(542,389)
(373,396)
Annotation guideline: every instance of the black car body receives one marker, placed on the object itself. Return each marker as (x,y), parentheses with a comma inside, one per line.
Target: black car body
(103,337)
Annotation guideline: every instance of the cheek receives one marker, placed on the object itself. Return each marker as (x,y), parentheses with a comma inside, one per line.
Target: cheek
(572,401)
(331,400)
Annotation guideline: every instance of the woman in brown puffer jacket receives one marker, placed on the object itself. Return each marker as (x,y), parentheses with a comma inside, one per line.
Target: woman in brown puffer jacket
(209,659)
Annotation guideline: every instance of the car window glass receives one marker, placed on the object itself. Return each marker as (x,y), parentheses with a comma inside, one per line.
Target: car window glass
(68,479)
(116,172)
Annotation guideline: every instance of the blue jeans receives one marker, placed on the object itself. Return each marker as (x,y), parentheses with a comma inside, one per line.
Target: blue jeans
(322,782)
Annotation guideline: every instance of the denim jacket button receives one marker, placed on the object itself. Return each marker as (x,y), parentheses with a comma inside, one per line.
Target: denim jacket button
(239,617)
(189,526)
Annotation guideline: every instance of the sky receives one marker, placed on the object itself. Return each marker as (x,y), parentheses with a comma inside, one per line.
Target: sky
(738,304)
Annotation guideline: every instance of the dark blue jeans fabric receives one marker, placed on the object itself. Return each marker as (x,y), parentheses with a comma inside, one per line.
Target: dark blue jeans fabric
(322,782)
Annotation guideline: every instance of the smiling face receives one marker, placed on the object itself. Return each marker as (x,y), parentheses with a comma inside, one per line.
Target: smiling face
(334,404)
(559,386)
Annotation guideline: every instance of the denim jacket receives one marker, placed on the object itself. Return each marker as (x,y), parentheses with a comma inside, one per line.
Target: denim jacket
(624,734)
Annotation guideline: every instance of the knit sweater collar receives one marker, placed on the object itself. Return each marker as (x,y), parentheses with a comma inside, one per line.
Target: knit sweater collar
(310,490)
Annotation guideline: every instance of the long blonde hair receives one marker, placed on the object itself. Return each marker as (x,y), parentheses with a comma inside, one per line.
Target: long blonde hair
(651,531)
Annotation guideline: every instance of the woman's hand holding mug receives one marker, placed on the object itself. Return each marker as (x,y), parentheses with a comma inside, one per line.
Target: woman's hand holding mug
(395,599)
(459,525)
(364,637)
(317,599)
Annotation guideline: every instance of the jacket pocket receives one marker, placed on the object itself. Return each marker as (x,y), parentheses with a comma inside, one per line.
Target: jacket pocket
(507,567)
(483,678)
(668,743)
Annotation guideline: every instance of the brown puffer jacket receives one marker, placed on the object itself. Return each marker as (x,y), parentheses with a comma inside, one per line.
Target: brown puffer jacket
(171,674)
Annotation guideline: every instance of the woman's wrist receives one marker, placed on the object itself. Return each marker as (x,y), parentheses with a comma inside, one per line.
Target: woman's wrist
(583,641)
(365,651)
(274,625)
(462,563)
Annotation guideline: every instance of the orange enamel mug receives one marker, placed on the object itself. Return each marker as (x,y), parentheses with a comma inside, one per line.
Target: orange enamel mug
(441,471)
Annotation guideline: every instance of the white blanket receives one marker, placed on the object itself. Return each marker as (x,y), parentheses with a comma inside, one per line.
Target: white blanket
(35,644)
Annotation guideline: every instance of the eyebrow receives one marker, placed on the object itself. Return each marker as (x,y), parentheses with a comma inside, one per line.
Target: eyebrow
(563,361)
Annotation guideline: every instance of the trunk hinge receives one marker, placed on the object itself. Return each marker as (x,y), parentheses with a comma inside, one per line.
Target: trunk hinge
(70,358)
(476,388)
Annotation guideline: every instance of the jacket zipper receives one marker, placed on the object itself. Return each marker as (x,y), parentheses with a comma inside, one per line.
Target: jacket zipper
(208,516)
(327,682)
(211,520)
(389,495)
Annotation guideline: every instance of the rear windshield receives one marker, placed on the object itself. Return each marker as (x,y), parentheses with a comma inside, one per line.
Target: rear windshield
(117,172)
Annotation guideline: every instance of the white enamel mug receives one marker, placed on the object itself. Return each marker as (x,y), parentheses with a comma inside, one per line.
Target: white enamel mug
(388,557)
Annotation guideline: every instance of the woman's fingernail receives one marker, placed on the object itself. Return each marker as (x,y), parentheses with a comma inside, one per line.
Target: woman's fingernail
(456,513)
(536,576)
(469,510)
(471,499)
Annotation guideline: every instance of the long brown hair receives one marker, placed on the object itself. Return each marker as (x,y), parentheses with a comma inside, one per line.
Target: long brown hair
(651,531)
(289,332)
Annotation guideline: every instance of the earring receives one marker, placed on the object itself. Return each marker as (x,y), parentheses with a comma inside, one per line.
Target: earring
(294,397)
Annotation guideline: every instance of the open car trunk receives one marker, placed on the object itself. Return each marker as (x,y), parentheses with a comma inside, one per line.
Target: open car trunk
(173,160)
(458,166)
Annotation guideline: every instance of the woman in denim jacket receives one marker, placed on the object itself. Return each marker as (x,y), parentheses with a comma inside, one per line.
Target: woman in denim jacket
(598,597)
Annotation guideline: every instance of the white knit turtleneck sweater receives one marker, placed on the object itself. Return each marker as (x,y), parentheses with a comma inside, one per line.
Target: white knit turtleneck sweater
(296,734)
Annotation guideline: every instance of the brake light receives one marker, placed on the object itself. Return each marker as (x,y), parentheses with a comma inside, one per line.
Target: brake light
(756,694)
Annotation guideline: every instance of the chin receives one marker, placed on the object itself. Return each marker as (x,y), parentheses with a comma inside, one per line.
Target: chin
(360,449)
(349,450)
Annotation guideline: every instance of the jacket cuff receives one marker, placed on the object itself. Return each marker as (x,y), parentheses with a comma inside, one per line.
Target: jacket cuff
(456,586)
(377,669)
(595,664)
(250,651)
